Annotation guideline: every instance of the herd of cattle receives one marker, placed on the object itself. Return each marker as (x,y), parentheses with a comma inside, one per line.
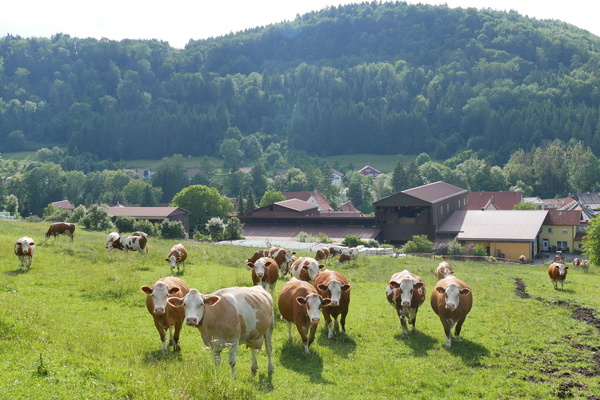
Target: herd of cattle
(245,315)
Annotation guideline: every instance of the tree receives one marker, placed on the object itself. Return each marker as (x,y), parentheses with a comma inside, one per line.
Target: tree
(215,228)
(231,152)
(271,197)
(591,242)
(525,206)
(170,176)
(140,192)
(44,184)
(96,218)
(203,203)
(234,229)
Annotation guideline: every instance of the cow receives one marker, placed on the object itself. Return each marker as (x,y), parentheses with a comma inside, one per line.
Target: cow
(334,251)
(230,317)
(577,262)
(322,254)
(110,240)
(61,228)
(265,272)
(176,257)
(585,265)
(451,300)
(522,259)
(443,270)
(306,269)
(130,243)
(282,256)
(406,292)
(24,248)
(334,285)
(140,233)
(299,303)
(166,317)
(349,254)
(557,273)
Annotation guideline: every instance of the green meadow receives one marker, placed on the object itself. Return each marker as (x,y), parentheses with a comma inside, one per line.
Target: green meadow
(75,327)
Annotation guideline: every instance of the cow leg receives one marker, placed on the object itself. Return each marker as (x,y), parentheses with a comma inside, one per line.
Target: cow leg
(328,323)
(269,348)
(448,332)
(233,356)
(402,322)
(413,318)
(178,326)
(305,341)
(457,329)
(289,325)
(343,321)
(254,366)
(163,337)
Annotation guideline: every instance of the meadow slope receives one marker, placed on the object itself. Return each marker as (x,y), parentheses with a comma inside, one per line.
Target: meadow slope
(75,327)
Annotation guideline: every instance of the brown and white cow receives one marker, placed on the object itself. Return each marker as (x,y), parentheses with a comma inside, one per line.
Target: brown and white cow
(577,262)
(299,303)
(306,269)
(348,255)
(443,270)
(130,243)
(176,257)
(110,240)
(61,228)
(522,259)
(265,272)
(24,248)
(585,265)
(451,300)
(333,285)
(230,317)
(166,317)
(322,254)
(282,256)
(257,254)
(558,273)
(406,292)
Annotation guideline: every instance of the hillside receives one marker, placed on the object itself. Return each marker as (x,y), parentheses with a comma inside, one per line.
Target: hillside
(379,78)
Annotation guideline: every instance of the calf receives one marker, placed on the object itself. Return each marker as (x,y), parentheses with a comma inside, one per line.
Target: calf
(299,303)
(265,272)
(322,254)
(61,228)
(348,255)
(130,243)
(176,257)
(451,300)
(333,285)
(406,292)
(24,248)
(110,240)
(443,270)
(230,317)
(557,273)
(306,269)
(166,317)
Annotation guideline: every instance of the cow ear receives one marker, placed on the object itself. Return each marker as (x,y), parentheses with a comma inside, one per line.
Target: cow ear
(173,290)
(345,288)
(305,267)
(394,284)
(464,291)
(325,302)
(322,287)
(250,265)
(293,253)
(440,289)
(268,263)
(418,285)
(147,289)
(166,259)
(175,301)
(211,300)
(32,243)
(321,266)
(301,300)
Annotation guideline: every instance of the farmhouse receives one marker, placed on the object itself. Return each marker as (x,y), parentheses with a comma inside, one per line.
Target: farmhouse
(313,197)
(152,214)
(560,229)
(367,170)
(64,204)
(493,200)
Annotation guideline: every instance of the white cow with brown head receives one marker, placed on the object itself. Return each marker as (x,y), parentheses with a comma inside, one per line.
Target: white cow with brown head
(24,248)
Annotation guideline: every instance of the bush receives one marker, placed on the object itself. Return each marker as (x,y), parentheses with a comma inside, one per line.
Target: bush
(172,230)
(233,229)
(353,241)
(320,238)
(78,214)
(54,214)
(96,218)
(303,237)
(323,238)
(144,225)
(201,237)
(125,224)
(455,249)
(419,244)
(373,243)
(215,227)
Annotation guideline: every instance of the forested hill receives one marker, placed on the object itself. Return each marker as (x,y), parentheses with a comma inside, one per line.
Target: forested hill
(382,78)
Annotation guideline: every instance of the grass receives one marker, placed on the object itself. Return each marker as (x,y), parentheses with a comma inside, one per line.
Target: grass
(75,327)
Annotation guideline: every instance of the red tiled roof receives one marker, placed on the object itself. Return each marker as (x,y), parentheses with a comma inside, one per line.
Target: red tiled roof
(323,204)
(434,192)
(296,205)
(502,200)
(563,217)
(143,212)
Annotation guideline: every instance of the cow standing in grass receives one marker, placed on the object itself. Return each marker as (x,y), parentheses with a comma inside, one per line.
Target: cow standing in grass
(557,273)
(335,286)
(61,228)
(443,270)
(406,292)
(24,248)
(451,300)
(306,269)
(176,257)
(265,272)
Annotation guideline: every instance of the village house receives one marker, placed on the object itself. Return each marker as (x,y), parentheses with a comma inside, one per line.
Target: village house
(367,170)
(559,230)
(493,200)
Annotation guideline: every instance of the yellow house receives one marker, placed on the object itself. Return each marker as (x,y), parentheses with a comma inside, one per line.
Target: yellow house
(505,234)
(559,230)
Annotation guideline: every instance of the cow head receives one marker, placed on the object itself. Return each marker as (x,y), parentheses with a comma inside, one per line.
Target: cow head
(312,304)
(194,303)
(173,260)
(335,289)
(452,293)
(260,266)
(25,243)
(288,255)
(313,269)
(403,290)
(160,293)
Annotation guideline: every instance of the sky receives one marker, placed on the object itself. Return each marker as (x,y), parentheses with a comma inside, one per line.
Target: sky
(178,21)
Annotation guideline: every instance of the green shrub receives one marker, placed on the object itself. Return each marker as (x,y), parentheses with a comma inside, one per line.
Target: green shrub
(233,229)
(144,225)
(172,230)
(96,218)
(215,227)
(353,241)
(78,213)
(419,244)
(125,224)
(54,214)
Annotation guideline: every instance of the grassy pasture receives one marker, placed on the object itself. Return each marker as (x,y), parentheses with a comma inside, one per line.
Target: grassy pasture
(75,327)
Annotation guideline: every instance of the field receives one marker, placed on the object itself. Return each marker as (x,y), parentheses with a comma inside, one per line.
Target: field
(75,327)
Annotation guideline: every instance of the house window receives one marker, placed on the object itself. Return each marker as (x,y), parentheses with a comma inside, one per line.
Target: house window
(561,244)
(549,230)
(564,231)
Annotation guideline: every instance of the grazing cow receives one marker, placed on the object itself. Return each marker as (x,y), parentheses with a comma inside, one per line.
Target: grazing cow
(299,303)
(348,255)
(282,256)
(24,248)
(322,254)
(265,272)
(585,265)
(406,292)
(451,300)
(333,285)
(110,240)
(558,273)
(522,259)
(230,317)
(176,257)
(443,270)
(577,262)
(306,269)
(166,317)
(140,233)
(61,228)
(130,243)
